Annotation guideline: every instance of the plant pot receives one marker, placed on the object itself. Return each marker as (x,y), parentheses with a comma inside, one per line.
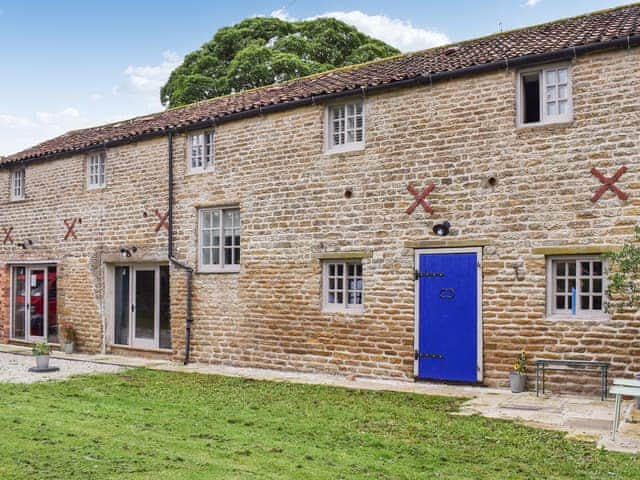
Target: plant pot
(68,347)
(518,382)
(42,361)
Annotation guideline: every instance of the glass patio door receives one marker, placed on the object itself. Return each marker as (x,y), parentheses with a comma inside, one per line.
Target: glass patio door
(34,303)
(37,305)
(141,310)
(145,308)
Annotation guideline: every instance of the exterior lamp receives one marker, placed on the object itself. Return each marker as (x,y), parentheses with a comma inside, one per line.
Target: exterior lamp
(127,252)
(442,229)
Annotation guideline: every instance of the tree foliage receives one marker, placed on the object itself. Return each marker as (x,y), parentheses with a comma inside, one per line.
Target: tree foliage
(623,290)
(262,51)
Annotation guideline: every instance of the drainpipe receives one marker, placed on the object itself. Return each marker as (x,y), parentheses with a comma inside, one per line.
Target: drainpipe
(178,263)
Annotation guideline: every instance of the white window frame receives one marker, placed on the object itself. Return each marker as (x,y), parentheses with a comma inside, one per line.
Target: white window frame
(219,267)
(208,160)
(17,187)
(552,312)
(343,307)
(330,147)
(99,160)
(544,118)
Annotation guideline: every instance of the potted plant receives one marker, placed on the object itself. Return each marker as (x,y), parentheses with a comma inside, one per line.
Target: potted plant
(518,378)
(69,337)
(41,352)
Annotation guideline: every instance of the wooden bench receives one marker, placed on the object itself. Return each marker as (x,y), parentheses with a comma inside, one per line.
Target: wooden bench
(544,365)
(622,386)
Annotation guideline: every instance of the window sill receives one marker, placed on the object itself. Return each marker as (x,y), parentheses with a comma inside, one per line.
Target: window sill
(357,147)
(218,270)
(579,318)
(344,311)
(561,124)
(97,188)
(18,200)
(191,173)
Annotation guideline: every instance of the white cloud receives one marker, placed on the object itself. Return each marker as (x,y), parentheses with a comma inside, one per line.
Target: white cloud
(12,121)
(19,132)
(146,80)
(531,3)
(398,33)
(61,117)
(282,14)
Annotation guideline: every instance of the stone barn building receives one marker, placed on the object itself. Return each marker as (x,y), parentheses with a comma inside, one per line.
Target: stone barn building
(424,216)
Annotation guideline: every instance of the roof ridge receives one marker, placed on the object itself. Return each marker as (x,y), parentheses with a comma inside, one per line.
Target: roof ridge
(607,25)
(356,66)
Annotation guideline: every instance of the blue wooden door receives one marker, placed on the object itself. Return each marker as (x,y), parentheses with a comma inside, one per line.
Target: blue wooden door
(448,317)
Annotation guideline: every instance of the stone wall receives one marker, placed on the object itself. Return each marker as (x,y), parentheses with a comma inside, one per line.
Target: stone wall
(122,214)
(293,209)
(454,134)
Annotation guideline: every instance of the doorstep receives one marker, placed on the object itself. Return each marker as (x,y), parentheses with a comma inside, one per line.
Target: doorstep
(148,353)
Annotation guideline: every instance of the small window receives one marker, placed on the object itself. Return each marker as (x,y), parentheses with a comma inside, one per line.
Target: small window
(18,184)
(579,278)
(545,95)
(96,167)
(345,126)
(343,288)
(201,152)
(219,249)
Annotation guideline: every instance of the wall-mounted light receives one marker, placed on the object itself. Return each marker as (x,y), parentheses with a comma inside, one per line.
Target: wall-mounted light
(26,244)
(127,252)
(442,229)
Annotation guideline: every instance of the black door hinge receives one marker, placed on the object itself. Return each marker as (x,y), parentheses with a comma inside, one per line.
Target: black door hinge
(417,274)
(434,356)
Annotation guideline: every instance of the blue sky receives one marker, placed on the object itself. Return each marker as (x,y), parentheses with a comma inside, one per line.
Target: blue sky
(69,64)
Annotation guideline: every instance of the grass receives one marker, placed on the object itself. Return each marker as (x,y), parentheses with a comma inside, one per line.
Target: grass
(144,424)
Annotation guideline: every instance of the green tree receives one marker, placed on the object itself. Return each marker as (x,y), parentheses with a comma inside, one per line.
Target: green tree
(623,290)
(262,51)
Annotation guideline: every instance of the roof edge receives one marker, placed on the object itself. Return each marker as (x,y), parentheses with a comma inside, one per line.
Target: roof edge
(506,63)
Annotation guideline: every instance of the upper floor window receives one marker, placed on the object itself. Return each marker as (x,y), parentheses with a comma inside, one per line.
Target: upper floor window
(201,152)
(96,168)
(219,249)
(345,126)
(544,95)
(342,284)
(18,184)
(576,286)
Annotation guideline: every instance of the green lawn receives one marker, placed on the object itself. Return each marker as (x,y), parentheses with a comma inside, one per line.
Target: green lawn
(158,425)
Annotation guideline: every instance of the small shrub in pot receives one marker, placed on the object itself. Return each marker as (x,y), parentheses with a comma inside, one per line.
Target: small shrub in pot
(69,337)
(518,378)
(41,352)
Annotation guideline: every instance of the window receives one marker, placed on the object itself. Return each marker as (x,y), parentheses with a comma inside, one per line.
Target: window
(18,184)
(585,275)
(96,165)
(342,286)
(544,95)
(219,249)
(345,126)
(201,152)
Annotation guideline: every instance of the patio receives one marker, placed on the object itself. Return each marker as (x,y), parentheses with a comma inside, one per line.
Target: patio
(583,418)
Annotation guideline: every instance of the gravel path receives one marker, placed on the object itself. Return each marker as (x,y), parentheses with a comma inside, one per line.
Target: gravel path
(15,369)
